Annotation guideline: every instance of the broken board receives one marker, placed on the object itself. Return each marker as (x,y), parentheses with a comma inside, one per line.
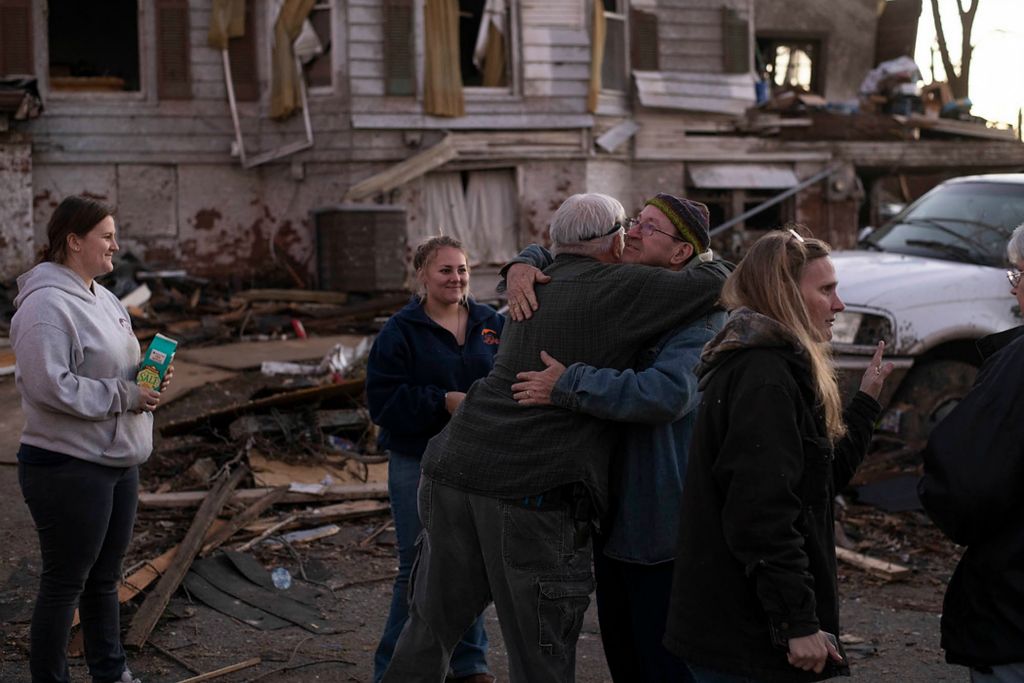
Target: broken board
(190,376)
(247,355)
(223,417)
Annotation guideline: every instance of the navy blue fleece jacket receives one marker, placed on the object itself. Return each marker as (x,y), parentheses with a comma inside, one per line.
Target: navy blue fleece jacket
(414,361)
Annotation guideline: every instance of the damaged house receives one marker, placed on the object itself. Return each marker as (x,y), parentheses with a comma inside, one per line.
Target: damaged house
(310,142)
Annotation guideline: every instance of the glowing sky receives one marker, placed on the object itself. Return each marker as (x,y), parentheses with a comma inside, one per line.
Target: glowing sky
(997,68)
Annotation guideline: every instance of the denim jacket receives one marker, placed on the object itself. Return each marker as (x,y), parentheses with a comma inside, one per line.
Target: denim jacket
(658,399)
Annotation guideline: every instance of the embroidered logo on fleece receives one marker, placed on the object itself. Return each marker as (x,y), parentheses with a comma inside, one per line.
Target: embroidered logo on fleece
(490,336)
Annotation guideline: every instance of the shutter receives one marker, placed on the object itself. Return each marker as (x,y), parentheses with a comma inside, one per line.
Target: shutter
(172,50)
(735,43)
(399,68)
(16,38)
(242,50)
(643,40)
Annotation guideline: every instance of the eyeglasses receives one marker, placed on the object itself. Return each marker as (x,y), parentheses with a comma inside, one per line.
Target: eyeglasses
(647,229)
(1014,277)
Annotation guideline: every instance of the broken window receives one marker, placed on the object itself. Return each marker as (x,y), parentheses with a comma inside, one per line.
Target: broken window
(615,66)
(316,58)
(484,43)
(479,208)
(467,44)
(91,50)
(724,205)
(791,63)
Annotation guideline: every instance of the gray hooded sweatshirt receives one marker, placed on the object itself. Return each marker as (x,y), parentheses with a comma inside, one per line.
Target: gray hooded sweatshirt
(76,362)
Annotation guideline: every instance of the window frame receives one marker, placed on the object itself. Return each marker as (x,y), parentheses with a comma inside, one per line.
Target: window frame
(330,6)
(621,16)
(474,93)
(146,27)
(819,63)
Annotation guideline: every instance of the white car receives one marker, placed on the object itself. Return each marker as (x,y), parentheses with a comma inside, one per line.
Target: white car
(930,282)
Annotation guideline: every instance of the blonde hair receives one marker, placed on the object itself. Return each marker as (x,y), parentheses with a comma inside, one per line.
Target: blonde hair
(425,253)
(767,281)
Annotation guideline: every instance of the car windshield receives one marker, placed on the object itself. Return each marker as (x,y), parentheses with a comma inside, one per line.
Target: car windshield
(969,222)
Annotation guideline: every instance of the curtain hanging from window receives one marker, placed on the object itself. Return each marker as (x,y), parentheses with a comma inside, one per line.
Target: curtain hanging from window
(483,216)
(227,20)
(597,37)
(444,206)
(442,73)
(491,208)
(489,52)
(284,77)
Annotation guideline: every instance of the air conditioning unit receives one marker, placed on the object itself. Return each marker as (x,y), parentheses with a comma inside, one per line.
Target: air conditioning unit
(360,248)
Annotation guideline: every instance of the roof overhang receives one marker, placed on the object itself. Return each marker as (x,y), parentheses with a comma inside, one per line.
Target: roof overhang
(752,176)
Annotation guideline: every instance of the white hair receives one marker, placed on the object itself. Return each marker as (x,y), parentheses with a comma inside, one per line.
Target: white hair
(615,243)
(1015,247)
(584,217)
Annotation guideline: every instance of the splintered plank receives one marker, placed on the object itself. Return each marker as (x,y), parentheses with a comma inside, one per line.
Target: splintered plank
(224,416)
(155,603)
(249,514)
(890,571)
(334,492)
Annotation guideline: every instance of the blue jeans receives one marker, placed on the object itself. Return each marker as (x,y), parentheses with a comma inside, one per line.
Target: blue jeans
(84,514)
(470,655)
(704,675)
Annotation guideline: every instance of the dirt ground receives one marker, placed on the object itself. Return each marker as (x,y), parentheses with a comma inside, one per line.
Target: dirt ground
(892,629)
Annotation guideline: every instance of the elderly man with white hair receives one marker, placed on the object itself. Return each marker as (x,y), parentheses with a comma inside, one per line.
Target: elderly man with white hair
(509,491)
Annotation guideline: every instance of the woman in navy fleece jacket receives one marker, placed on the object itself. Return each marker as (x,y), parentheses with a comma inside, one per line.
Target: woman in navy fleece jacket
(419,369)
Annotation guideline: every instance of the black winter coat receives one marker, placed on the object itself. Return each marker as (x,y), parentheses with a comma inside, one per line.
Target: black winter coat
(756,563)
(973,488)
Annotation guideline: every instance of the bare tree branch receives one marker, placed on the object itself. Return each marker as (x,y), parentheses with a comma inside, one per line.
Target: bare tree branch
(959,81)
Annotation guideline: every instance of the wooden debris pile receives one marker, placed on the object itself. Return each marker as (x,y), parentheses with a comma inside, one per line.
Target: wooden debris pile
(256,465)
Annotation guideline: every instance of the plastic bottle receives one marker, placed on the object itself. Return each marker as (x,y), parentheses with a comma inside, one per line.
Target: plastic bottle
(281,577)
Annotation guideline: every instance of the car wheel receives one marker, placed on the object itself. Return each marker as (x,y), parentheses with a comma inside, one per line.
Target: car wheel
(928,394)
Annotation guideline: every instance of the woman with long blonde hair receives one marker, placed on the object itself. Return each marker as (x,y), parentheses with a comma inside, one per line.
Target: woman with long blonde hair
(754,591)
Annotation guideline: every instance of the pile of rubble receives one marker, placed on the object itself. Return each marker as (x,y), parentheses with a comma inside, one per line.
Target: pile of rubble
(273,450)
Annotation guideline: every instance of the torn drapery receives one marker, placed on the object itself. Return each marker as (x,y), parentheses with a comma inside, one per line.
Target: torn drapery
(284,76)
(227,20)
(442,73)
(483,216)
(489,51)
(491,211)
(444,206)
(597,37)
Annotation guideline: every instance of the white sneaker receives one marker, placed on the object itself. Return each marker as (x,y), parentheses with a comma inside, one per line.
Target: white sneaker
(126,677)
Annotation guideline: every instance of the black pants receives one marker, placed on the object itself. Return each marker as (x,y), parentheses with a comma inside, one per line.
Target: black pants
(84,515)
(632,608)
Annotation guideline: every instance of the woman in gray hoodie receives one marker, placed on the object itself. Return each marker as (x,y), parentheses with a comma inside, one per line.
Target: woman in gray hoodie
(88,426)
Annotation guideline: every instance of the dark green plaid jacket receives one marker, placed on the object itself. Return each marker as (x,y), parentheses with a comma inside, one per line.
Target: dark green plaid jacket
(591,312)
